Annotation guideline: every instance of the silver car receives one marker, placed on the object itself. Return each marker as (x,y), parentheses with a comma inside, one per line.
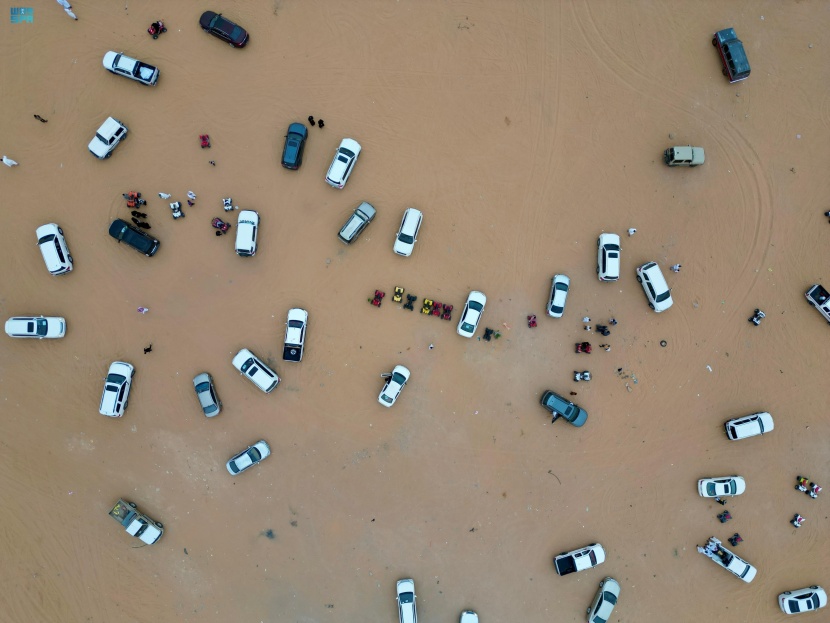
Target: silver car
(36,326)
(604,602)
(206,393)
(559,287)
(249,457)
(407,610)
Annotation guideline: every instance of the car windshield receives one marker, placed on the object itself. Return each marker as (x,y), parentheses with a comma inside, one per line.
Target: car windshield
(760,424)
(385,398)
(562,286)
(346,152)
(247,365)
(203,387)
(42,326)
(663,296)
(731,487)
(467,327)
(476,306)
(254,454)
(406,238)
(398,378)
(610,597)
(710,489)
(209,408)
(116,378)
(295,324)
(406,598)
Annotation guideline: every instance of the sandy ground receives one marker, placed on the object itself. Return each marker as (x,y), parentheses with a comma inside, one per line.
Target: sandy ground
(522,130)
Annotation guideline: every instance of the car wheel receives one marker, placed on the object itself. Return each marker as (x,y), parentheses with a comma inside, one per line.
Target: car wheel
(132,374)
(714,42)
(724,72)
(602,583)
(71,261)
(814,587)
(651,305)
(159,524)
(230,44)
(588,610)
(597,269)
(132,505)
(562,553)
(60,231)
(597,243)
(639,279)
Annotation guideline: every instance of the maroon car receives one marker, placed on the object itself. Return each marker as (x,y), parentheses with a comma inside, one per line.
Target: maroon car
(225,29)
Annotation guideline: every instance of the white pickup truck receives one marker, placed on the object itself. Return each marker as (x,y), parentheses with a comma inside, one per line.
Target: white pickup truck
(295,335)
(819,298)
(136,523)
(579,559)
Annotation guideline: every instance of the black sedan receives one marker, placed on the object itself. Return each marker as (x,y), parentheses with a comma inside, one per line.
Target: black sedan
(292,152)
(223,28)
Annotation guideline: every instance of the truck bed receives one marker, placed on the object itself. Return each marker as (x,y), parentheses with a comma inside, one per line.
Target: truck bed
(120,511)
(292,352)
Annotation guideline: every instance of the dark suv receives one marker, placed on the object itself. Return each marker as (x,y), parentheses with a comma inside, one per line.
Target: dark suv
(560,407)
(292,153)
(225,29)
(732,54)
(137,239)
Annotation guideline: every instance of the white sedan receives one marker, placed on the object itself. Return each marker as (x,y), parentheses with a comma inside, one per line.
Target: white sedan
(802,600)
(468,616)
(394,384)
(123,65)
(559,287)
(36,326)
(725,486)
(407,234)
(249,457)
(472,314)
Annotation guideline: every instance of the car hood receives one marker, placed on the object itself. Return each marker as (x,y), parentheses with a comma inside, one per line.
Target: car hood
(109,59)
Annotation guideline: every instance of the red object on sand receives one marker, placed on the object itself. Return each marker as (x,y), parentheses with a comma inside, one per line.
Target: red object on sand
(531,321)
(205,139)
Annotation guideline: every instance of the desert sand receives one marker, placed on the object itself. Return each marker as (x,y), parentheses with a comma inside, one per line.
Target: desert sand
(522,130)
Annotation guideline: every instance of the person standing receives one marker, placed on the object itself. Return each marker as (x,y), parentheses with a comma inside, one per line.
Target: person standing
(675,268)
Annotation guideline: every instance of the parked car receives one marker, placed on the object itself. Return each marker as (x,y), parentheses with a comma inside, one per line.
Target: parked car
(407,234)
(123,65)
(407,611)
(732,55)
(468,616)
(343,163)
(249,457)
(819,298)
(560,407)
(122,231)
(54,250)
(295,327)
(559,287)
(608,257)
(36,326)
(250,366)
(219,26)
(730,561)
(117,389)
(749,426)
(802,600)
(658,292)
(136,523)
(246,232)
(724,486)
(579,559)
(681,156)
(604,601)
(471,315)
(394,384)
(356,223)
(206,393)
(292,151)
(106,139)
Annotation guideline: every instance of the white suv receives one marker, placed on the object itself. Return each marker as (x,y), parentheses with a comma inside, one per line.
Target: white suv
(53,248)
(407,611)
(246,232)
(407,234)
(250,366)
(654,285)
(343,163)
(107,137)
(608,257)
(749,426)
(117,389)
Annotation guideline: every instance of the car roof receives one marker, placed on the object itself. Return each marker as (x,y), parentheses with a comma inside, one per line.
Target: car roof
(297,313)
(351,145)
(655,276)
(109,127)
(411,219)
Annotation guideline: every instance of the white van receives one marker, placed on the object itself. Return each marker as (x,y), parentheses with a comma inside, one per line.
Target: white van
(246,232)
(53,248)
